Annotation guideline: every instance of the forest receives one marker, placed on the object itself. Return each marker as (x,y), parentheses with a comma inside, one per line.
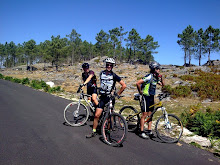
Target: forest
(117,43)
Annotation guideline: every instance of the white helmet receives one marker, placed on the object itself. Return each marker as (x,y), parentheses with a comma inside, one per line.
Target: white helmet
(110,60)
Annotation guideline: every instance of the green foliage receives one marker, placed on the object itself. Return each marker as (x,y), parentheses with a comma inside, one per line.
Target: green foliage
(179,91)
(25,81)
(16,80)
(1,76)
(54,89)
(202,123)
(36,84)
(9,78)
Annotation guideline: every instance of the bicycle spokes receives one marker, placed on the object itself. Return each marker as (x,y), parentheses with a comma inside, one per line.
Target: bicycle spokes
(114,130)
(169,129)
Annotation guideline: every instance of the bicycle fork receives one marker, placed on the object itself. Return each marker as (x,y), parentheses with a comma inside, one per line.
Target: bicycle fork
(76,113)
(167,123)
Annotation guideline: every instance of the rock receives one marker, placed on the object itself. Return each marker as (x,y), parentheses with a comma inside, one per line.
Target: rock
(205,142)
(50,83)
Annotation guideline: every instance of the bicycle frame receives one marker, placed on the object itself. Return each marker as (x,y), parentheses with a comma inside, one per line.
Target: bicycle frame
(156,107)
(85,98)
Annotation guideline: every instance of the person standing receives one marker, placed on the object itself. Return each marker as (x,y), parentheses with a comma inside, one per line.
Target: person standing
(147,88)
(108,80)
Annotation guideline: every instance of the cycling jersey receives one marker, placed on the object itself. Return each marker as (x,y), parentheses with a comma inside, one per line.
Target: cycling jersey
(92,82)
(107,81)
(149,85)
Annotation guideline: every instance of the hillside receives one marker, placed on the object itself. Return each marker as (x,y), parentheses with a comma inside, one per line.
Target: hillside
(69,78)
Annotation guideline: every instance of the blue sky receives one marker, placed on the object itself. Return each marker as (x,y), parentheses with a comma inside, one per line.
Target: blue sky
(22,20)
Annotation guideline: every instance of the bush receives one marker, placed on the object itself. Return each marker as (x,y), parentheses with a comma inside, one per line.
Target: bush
(202,123)
(1,76)
(36,84)
(25,81)
(8,78)
(54,89)
(16,80)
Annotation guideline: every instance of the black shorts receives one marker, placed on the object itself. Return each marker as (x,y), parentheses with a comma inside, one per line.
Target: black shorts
(91,90)
(104,99)
(146,102)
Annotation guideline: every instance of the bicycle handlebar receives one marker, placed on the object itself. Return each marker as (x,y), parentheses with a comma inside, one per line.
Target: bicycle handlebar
(80,88)
(162,96)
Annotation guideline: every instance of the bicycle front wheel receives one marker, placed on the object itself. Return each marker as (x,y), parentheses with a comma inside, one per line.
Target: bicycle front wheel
(114,130)
(170,130)
(131,116)
(76,114)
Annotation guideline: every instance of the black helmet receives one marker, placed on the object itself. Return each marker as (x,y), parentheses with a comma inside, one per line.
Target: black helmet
(85,65)
(154,65)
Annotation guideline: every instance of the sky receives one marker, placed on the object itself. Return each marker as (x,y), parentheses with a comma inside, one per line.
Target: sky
(23,20)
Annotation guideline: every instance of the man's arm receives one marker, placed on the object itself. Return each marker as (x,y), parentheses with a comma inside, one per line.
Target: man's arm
(123,86)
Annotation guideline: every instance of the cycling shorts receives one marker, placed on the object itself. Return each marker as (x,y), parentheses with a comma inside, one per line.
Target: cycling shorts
(146,102)
(91,90)
(104,99)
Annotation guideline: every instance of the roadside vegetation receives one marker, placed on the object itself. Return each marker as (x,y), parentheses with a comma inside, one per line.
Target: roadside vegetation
(35,84)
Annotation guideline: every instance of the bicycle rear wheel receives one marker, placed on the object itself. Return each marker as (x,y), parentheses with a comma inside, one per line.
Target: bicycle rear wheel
(114,130)
(169,131)
(76,114)
(131,116)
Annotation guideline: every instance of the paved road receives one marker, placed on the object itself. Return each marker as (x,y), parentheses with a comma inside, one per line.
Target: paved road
(32,131)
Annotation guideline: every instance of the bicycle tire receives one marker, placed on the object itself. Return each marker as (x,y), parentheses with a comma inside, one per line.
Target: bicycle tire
(131,117)
(114,130)
(166,134)
(76,119)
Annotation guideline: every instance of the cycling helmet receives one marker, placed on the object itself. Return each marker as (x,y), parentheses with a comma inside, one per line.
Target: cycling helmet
(85,65)
(110,60)
(154,65)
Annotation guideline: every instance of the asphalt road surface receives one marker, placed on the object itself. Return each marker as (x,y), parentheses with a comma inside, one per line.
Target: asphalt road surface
(32,131)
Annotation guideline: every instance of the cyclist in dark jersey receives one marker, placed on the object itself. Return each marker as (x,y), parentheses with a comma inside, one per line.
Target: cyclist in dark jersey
(89,79)
(147,87)
(108,80)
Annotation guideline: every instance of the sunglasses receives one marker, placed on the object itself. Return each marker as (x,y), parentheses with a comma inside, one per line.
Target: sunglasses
(107,65)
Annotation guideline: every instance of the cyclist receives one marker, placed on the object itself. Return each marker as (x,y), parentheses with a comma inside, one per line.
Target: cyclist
(108,80)
(147,87)
(89,79)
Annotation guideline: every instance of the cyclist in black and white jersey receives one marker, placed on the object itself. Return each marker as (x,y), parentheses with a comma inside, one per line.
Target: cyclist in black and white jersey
(108,80)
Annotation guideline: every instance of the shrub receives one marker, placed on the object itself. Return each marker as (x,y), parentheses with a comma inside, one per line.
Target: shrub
(16,80)
(1,76)
(8,78)
(54,89)
(36,84)
(202,123)
(25,81)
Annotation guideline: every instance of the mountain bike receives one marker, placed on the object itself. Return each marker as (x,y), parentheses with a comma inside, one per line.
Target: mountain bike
(168,127)
(113,125)
(77,113)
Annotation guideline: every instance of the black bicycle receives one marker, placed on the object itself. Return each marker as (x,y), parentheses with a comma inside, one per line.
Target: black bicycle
(113,125)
